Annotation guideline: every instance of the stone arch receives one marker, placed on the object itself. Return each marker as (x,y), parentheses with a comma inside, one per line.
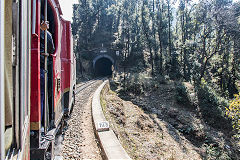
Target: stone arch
(102,56)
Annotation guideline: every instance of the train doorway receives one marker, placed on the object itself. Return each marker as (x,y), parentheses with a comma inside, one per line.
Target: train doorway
(103,67)
(49,43)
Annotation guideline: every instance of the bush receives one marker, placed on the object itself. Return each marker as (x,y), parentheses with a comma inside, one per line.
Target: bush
(212,106)
(233,112)
(182,95)
(159,79)
(216,153)
(137,83)
(134,87)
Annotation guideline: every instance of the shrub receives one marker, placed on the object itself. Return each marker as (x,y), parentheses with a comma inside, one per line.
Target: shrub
(216,153)
(212,106)
(137,83)
(233,112)
(134,87)
(182,95)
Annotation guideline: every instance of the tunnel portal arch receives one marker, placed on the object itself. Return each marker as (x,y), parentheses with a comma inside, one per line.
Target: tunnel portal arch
(102,65)
(102,56)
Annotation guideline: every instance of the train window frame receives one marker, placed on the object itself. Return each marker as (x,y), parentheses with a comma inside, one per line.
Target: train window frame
(25,57)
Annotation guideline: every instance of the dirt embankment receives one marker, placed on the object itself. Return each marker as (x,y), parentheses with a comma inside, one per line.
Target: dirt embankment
(155,126)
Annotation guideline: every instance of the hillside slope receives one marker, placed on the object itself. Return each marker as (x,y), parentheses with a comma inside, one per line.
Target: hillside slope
(154,126)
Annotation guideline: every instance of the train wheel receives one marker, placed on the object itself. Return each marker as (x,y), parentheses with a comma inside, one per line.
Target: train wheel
(74,97)
(60,131)
(73,103)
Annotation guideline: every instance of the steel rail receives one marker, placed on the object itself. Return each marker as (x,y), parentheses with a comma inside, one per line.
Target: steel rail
(89,83)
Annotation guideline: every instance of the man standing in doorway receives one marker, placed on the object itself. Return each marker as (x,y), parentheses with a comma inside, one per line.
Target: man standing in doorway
(50,49)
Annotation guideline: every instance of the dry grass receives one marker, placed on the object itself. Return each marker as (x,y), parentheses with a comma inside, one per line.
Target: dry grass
(144,136)
(154,126)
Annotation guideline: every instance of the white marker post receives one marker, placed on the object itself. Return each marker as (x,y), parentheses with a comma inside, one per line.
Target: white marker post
(103,126)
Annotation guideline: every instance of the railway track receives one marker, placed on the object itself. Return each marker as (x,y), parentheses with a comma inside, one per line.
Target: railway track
(78,139)
(86,84)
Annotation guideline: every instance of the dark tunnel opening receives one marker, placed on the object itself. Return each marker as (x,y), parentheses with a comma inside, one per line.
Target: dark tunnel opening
(103,67)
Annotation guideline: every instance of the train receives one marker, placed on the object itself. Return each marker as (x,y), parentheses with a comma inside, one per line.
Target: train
(29,122)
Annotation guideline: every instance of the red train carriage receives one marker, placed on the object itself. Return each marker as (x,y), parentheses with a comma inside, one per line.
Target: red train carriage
(61,77)
(26,129)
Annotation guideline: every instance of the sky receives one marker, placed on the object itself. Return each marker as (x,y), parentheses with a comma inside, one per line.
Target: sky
(66,6)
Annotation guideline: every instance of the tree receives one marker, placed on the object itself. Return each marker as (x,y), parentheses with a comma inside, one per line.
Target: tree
(199,40)
(147,31)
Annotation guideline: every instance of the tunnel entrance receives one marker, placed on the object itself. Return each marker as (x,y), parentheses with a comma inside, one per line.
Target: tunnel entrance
(103,67)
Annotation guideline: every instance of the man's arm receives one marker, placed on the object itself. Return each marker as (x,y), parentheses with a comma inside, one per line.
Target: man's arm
(51,47)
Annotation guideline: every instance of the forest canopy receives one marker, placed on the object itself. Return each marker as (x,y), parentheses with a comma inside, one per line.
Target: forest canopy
(185,40)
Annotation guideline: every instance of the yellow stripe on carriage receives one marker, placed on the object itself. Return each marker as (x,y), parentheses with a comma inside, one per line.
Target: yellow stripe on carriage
(35,126)
(66,90)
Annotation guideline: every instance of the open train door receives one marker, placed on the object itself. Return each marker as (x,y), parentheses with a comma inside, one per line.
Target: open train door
(42,107)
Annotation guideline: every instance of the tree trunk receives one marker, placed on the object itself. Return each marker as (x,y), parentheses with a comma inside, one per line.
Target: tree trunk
(169,31)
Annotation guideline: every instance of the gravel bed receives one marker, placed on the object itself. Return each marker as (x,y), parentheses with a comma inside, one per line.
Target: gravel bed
(78,140)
